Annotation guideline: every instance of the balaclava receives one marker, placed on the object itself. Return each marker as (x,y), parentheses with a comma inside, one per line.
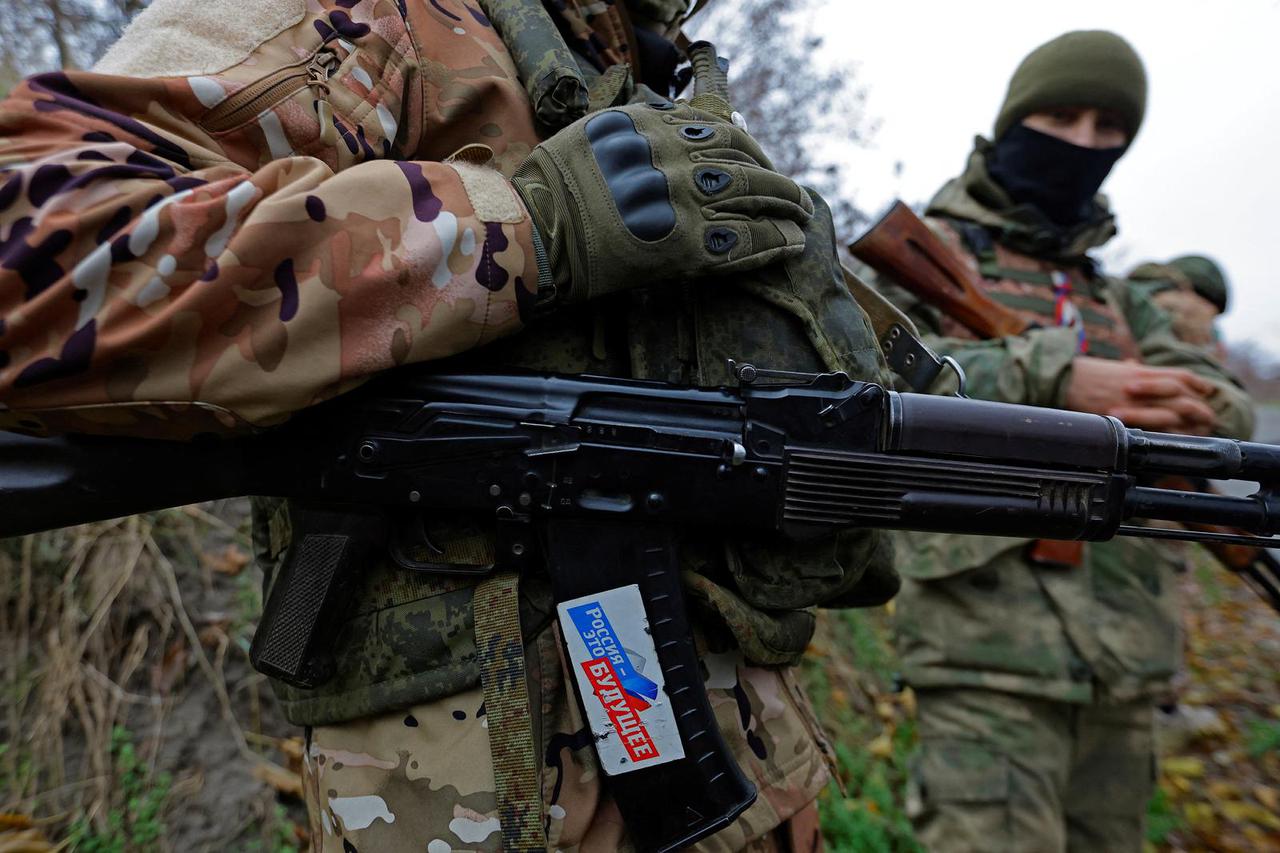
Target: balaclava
(1078,69)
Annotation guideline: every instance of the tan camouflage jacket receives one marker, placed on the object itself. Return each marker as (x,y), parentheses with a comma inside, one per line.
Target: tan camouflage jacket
(243,213)
(973,611)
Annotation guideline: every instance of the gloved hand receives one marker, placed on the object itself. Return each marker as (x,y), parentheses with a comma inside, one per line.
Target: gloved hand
(643,194)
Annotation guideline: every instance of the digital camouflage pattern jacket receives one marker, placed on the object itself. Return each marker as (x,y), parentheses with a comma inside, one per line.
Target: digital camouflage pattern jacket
(973,611)
(250,207)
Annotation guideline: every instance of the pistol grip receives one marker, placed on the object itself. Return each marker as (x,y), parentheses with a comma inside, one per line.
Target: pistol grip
(311,598)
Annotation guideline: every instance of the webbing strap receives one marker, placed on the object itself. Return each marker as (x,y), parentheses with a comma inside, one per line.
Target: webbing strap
(496,606)
(977,238)
(994,270)
(882,313)
(899,340)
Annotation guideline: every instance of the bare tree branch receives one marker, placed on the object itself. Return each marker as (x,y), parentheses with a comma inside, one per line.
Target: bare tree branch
(792,103)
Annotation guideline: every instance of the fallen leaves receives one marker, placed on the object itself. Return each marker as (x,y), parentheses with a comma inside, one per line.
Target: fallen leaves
(1187,767)
(1223,777)
(1269,797)
(229,561)
(167,671)
(25,841)
(882,746)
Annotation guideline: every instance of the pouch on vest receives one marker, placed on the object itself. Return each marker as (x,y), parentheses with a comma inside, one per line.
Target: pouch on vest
(798,316)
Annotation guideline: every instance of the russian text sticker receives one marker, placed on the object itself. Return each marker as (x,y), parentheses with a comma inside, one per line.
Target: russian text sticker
(616,666)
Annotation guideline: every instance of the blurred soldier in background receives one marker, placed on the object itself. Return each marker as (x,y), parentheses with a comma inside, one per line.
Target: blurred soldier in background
(1035,663)
(1193,291)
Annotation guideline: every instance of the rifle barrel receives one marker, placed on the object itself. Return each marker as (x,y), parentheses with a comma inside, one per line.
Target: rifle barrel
(75,479)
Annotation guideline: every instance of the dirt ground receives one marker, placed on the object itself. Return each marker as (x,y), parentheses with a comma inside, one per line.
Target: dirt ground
(159,736)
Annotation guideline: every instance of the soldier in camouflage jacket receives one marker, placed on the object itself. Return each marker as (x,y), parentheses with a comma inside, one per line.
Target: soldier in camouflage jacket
(1035,676)
(250,207)
(1193,291)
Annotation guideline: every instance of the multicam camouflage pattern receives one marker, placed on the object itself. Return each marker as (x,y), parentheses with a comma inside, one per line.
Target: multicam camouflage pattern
(396,782)
(189,253)
(1191,316)
(597,30)
(973,612)
(998,771)
(145,284)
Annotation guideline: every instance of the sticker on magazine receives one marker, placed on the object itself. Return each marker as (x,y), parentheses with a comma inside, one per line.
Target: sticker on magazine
(616,666)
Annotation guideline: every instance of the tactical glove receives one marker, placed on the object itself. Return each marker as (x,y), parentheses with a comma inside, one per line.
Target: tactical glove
(643,194)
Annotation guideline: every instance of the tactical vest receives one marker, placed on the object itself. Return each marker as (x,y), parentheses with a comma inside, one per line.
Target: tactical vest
(1043,292)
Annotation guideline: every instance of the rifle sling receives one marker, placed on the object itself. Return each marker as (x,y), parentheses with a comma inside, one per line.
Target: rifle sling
(906,354)
(517,784)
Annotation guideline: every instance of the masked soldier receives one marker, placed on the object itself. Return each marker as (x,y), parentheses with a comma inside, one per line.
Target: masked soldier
(1193,291)
(1034,664)
(251,207)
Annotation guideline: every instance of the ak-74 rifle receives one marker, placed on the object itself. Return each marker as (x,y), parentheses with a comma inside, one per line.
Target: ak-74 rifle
(591,480)
(904,248)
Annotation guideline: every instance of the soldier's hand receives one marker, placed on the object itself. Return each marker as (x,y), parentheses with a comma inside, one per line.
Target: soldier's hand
(1164,399)
(643,194)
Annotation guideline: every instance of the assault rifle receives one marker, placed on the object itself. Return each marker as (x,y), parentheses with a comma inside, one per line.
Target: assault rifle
(592,478)
(904,248)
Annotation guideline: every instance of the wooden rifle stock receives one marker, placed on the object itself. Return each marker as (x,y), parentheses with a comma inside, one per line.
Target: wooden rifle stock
(906,250)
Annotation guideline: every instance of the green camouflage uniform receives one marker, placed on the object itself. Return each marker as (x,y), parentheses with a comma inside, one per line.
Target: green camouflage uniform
(1193,305)
(251,207)
(1034,682)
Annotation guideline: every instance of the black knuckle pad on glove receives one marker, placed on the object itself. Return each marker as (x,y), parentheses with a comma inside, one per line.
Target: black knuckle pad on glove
(639,189)
(641,194)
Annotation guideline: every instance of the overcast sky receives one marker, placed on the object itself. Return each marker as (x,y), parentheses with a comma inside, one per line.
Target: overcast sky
(1202,175)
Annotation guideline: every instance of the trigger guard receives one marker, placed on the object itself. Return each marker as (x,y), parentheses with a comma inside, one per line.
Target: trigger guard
(413,527)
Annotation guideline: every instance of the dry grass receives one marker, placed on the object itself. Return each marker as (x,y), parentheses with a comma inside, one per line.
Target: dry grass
(96,647)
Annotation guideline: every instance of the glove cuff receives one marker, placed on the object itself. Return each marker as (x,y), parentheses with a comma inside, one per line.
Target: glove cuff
(547,290)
